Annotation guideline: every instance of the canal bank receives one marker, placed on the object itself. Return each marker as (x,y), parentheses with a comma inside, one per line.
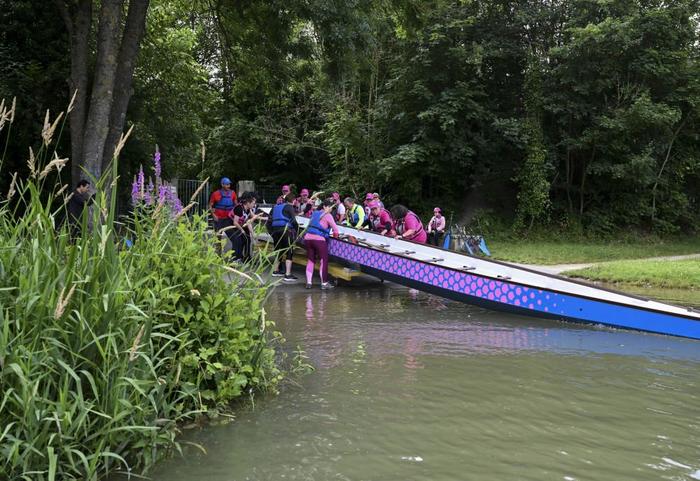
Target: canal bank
(410,386)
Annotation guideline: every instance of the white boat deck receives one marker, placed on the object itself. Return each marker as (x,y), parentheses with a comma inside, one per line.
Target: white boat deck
(501,271)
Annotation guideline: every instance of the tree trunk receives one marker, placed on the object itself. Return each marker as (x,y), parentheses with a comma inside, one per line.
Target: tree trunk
(78,21)
(131,40)
(103,86)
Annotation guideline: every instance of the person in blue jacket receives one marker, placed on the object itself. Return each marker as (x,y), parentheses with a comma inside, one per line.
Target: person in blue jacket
(282,225)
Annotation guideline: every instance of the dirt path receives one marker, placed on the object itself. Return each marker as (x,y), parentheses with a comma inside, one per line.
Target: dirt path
(560,268)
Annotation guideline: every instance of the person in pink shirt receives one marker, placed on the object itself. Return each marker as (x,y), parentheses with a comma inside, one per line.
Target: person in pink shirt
(380,220)
(285,191)
(408,225)
(368,198)
(436,228)
(304,205)
(316,243)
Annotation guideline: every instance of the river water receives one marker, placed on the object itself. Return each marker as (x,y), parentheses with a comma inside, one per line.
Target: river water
(408,386)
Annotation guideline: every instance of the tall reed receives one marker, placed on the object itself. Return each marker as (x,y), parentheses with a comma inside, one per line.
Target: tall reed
(105,349)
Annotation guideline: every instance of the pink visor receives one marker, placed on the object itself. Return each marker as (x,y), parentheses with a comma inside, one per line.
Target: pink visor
(372,205)
(369,196)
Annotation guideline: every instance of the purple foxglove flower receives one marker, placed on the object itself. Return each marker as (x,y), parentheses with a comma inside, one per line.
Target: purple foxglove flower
(134,191)
(156,164)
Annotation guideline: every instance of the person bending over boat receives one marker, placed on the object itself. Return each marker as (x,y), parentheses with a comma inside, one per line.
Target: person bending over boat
(408,225)
(354,214)
(283,226)
(315,240)
(436,228)
(304,205)
(380,220)
(241,236)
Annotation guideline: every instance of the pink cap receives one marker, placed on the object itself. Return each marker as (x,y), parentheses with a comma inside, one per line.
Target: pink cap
(437,209)
(336,196)
(369,196)
(285,188)
(304,192)
(373,204)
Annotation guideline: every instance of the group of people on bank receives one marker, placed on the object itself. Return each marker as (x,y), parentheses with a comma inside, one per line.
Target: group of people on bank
(236,216)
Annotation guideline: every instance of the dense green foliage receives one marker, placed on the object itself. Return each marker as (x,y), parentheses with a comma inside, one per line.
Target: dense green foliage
(581,113)
(105,350)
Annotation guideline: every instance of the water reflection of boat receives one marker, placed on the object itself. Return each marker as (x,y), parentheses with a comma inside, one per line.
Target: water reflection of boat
(501,286)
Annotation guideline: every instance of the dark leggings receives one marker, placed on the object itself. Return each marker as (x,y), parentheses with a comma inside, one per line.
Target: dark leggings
(316,248)
(284,239)
(240,243)
(435,238)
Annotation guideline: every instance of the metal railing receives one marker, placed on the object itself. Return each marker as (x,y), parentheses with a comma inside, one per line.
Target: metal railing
(186,189)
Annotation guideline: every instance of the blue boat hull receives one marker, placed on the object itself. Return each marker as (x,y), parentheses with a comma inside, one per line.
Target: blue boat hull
(509,296)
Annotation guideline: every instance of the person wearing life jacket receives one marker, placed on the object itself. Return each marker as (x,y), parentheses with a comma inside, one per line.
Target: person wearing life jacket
(316,241)
(339,210)
(282,225)
(408,225)
(221,203)
(241,236)
(354,214)
(436,227)
(369,197)
(380,220)
(304,205)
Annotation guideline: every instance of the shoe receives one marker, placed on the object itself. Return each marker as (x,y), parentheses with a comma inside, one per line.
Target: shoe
(278,274)
(327,285)
(308,286)
(291,278)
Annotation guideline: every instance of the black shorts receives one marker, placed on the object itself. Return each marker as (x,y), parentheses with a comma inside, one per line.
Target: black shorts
(284,240)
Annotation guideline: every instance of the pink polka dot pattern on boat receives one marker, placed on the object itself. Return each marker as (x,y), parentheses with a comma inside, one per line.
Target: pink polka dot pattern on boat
(462,282)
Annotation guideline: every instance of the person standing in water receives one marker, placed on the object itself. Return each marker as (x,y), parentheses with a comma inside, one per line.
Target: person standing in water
(316,242)
(408,225)
(436,228)
(283,226)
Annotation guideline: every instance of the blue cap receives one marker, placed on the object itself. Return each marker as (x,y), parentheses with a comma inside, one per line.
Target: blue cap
(225,180)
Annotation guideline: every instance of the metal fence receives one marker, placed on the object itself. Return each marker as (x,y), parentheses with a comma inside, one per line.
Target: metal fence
(186,189)
(267,194)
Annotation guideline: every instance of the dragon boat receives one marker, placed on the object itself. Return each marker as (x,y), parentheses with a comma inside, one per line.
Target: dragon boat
(503,286)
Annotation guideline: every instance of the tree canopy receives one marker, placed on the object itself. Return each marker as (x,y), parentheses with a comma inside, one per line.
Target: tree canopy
(543,111)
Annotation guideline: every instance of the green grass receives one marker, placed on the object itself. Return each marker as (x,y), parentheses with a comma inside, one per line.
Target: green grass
(576,252)
(681,274)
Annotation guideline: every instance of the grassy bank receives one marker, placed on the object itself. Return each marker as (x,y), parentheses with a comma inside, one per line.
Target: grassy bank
(680,274)
(106,349)
(574,252)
